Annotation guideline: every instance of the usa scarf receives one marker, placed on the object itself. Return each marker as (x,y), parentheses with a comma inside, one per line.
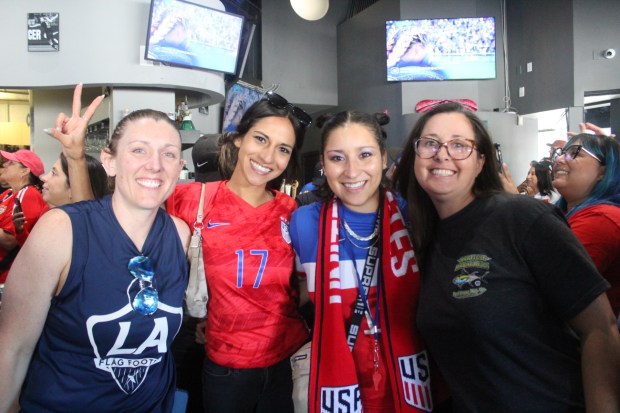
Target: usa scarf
(333,385)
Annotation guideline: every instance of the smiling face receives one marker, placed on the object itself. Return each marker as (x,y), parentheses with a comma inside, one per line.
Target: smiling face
(575,178)
(532,179)
(448,182)
(264,152)
(353,165)
(146,164)
(55,189)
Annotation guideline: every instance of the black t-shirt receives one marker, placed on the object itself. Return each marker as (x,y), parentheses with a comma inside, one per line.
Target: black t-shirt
(502,278)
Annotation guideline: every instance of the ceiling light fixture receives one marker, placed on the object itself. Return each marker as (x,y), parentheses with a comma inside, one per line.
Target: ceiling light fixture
(310,9)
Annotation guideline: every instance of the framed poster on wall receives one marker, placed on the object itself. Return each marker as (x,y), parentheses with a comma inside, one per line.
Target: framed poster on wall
(43,32)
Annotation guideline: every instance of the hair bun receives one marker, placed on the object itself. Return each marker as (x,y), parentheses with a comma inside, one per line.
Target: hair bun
(382,118)
(320,121)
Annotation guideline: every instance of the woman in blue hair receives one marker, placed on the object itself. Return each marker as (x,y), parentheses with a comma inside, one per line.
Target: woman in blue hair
(587,175)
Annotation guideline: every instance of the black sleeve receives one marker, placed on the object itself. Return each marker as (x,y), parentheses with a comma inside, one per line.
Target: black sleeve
(564,271)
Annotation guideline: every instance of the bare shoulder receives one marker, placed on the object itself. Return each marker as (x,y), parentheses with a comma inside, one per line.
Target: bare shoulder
(46,255)
(53,223)
(183,231)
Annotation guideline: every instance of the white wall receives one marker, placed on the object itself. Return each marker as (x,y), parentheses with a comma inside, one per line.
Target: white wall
(100,45)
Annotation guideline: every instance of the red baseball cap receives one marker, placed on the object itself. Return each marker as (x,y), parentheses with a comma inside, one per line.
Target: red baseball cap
(27,158)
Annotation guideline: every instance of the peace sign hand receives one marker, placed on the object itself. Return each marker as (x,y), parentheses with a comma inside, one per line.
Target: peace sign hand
(71,131)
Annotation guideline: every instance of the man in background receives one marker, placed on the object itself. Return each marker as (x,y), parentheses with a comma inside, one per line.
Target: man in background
(189,354)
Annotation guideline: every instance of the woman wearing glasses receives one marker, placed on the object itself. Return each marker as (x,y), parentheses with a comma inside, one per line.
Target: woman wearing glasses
(587,175)
(356,261)
(253,325)
(94,299)
(511,305)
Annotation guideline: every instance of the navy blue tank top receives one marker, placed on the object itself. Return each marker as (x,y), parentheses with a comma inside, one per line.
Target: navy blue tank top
(95,352)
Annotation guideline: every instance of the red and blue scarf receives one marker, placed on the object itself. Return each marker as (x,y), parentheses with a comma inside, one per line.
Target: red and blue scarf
(333,380)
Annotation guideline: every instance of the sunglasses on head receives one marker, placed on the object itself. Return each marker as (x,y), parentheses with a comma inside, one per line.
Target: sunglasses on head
(146,300)
(281,103)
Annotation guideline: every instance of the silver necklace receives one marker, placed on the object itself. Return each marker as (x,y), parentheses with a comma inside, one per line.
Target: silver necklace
(349,238)
(357,237)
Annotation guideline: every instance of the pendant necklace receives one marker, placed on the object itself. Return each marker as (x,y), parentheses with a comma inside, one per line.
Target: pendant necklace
(373,323)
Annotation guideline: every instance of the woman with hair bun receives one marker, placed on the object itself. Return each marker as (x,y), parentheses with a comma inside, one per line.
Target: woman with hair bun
(356,261)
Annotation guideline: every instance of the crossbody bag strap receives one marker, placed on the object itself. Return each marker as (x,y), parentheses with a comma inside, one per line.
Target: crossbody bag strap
(200,212)
(197,235)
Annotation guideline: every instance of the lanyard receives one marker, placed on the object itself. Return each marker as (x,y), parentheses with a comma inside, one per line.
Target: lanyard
(362,307)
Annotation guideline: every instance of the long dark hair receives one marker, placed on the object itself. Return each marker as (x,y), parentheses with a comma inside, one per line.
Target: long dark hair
(228,151)
(542,170)
(96,175)
(422,212)
(373,122)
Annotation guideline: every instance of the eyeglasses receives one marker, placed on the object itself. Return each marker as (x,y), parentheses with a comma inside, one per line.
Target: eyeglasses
(458,149)
(281,103)
(572,152)
(146,300)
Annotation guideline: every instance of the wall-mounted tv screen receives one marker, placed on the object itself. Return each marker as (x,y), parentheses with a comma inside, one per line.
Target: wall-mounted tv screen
(441,49)
(185,34)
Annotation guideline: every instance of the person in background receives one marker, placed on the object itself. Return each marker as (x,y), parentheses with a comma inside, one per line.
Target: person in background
(553,147)
(538,183)
(56,189)
(394,155)
(309,192)
(356,261)
(3,184)
(187,349)
(21,171)
(587,175)
(205,157)
(105,281)
(504,279)
(253,324)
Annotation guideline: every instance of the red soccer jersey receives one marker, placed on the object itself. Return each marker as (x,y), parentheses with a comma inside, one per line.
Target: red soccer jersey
(252,319)
(598,229)
(33,207)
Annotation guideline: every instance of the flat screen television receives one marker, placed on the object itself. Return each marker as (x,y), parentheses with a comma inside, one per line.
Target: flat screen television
(440,49)
(186,34)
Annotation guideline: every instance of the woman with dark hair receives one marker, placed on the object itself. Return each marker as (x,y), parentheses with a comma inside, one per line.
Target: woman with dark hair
(253,324)
(538,183)
(96,174)
(356,261)
(56,189)
(587,175)
(503,277)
